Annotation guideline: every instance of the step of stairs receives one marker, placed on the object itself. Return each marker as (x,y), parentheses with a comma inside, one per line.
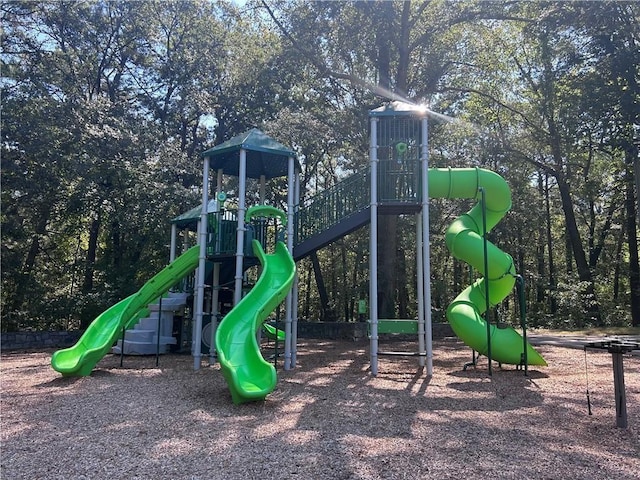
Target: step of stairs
(142,339)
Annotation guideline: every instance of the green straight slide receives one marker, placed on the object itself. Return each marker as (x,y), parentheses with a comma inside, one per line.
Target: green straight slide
(464,238)
(102,333)
(249,376)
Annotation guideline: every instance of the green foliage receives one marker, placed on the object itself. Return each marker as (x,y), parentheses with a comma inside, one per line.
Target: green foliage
(107,105)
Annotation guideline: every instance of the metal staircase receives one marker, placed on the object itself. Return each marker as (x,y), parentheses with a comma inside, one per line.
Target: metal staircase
(345,207)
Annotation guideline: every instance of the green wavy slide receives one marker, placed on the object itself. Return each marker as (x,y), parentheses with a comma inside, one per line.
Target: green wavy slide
(249,376)
(273,333)
(464,238)
(80,359)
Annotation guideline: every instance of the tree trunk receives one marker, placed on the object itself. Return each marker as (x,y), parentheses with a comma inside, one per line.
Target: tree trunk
(552,269)
(403,293)
(116,245)
(346,290)
(632,238)
(10,322)
(582,266)
(540,289)
(387,224)
(387,246)
(618,264)
(307,295)
(90,260)
(561,173)
(325,311)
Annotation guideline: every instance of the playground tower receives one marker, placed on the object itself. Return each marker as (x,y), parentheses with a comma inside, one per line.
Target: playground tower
(399,165)
(249,155)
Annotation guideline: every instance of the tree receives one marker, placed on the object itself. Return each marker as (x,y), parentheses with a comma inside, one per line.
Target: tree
(90,172)
(359,54)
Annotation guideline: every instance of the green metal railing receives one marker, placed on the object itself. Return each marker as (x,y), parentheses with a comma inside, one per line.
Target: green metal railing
(398,182)
(332,205)
(222,227)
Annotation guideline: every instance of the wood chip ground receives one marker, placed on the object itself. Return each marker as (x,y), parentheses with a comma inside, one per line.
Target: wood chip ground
(327,419)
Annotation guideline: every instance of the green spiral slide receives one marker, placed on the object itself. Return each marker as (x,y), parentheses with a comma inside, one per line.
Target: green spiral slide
(464,238)
(102,333)
(249,376)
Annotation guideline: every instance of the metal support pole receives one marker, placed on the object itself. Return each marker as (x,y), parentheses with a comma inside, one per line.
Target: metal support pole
(215,292)
(294,324)
(174,236)
(420,286)
(215,289)
(617,349)
(294,320)
(619,389)
(523,322)
(242,191)
(124,330)
(289,300)
(426,250)
(159,331)
(202,261)
(373,249)
(486,275)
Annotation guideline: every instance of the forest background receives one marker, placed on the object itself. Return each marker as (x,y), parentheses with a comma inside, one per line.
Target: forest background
(107,105)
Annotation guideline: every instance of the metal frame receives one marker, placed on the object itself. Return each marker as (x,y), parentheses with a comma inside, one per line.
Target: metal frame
(401,201)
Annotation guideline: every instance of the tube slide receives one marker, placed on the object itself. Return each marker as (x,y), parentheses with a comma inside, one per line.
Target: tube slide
(249,376)
(102,333)
(464,240)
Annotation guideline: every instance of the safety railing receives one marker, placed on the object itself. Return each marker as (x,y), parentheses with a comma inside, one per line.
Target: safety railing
(332,205)
(223,226)
(398,181)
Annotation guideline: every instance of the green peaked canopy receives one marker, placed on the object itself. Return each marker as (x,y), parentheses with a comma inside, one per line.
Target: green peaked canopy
(190,218)
(265,156)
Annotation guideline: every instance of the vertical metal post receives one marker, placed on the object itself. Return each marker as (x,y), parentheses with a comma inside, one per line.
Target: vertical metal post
(420,286)
(426,250)
(172,249)
(523,322)
(289,300)
(124,329)
(294,323)
(202,261)
(242,191)
(486,275)
(159,331)
(215,291)
(373,248)
(619,389)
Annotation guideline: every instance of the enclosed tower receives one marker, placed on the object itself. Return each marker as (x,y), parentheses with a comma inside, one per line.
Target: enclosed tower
(399,160)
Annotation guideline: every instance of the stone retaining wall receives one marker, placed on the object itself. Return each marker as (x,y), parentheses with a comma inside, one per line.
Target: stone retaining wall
(354,331)
(320,330)
(38,340)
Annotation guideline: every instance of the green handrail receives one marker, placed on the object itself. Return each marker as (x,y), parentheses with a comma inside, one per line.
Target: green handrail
(334,204)
(265,211)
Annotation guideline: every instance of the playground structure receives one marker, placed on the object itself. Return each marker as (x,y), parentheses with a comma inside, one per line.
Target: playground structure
(398,181)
